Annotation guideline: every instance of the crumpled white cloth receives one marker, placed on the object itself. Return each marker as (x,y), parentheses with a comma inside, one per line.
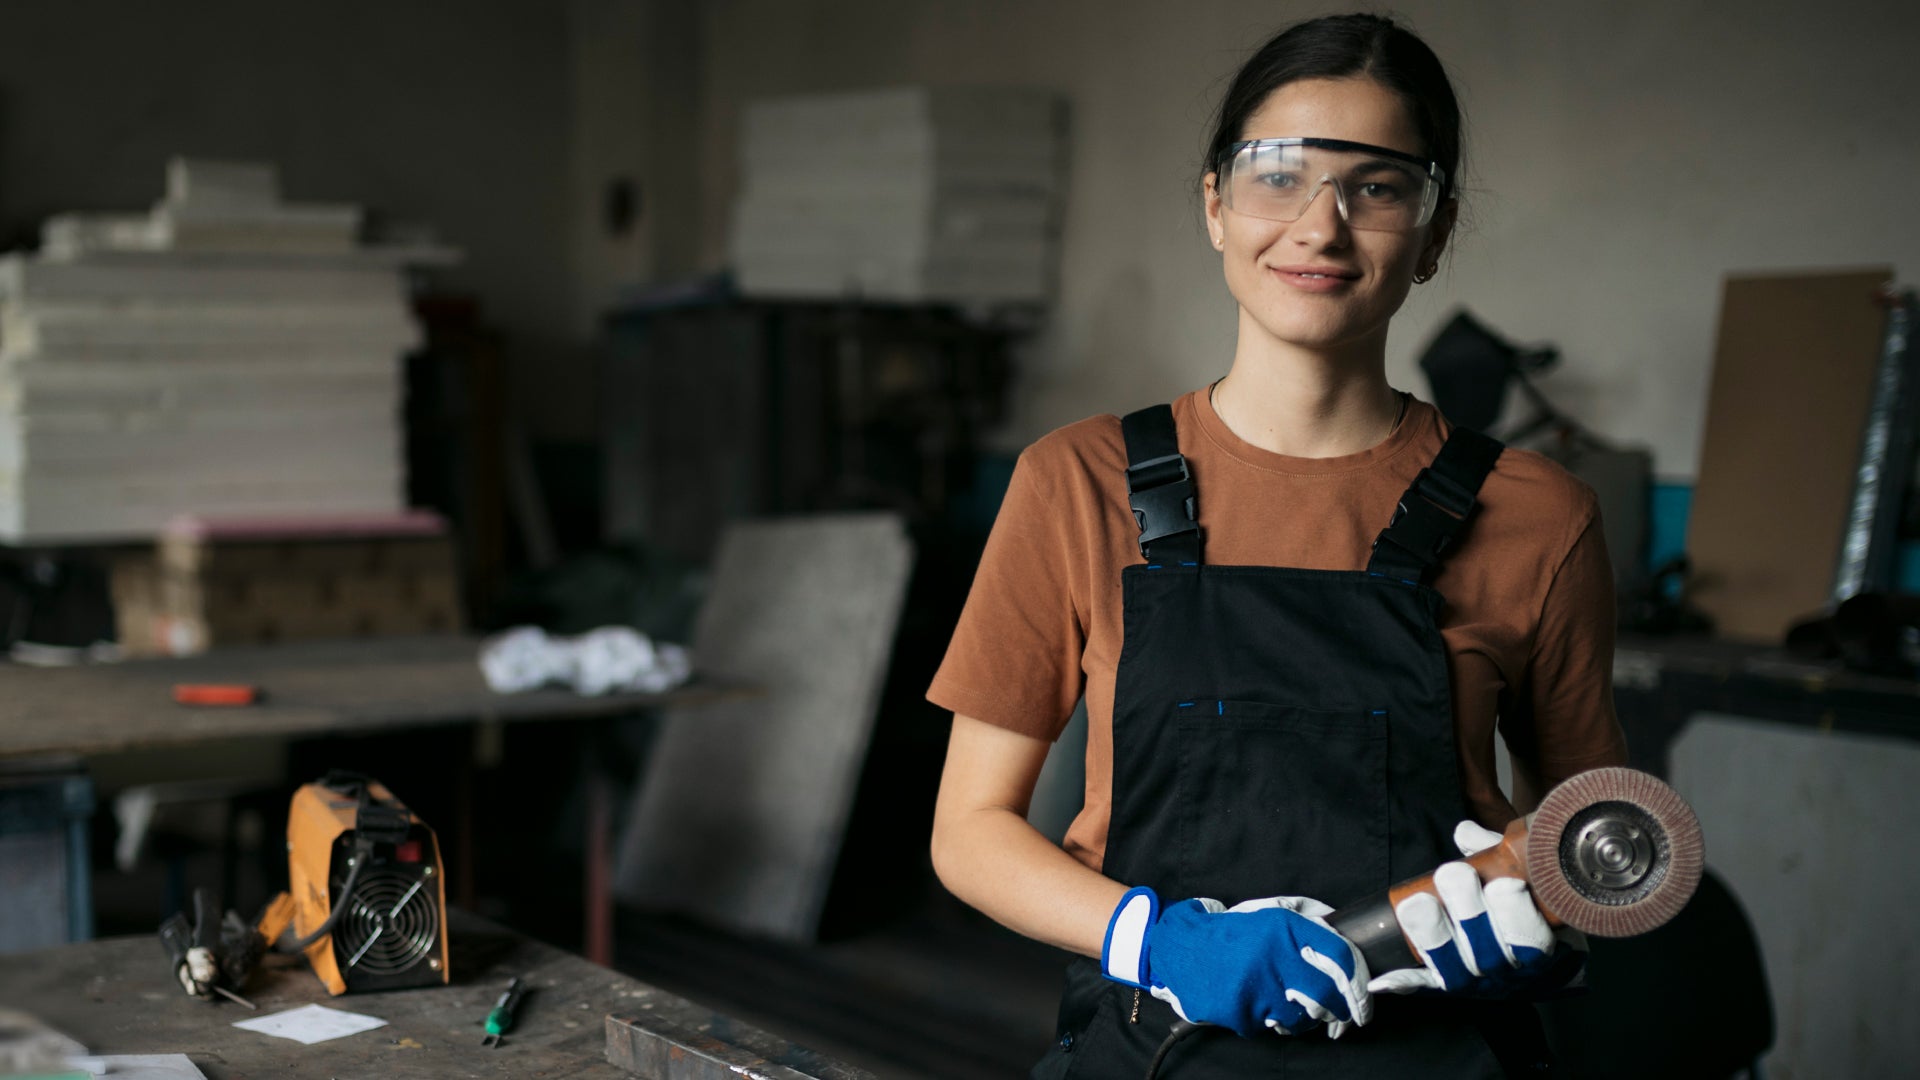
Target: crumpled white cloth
(612,658)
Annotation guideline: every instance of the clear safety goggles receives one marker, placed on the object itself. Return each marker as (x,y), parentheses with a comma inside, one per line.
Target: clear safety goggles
(1375,188)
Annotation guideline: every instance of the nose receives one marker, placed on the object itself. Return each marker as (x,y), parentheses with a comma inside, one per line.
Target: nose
(1324,220)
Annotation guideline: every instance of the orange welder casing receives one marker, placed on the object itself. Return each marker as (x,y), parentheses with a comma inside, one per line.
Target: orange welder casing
(392,931)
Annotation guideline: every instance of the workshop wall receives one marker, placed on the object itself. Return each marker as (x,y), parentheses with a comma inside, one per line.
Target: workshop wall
(1623,158)
(633,71)
(452,114)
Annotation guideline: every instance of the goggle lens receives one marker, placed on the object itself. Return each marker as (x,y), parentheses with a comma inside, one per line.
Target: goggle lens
(1278,179)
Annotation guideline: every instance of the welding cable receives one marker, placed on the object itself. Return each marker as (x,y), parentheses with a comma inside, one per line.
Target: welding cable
(362,852)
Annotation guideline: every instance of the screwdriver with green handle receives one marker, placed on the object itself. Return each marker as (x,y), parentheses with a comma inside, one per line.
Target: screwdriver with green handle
(501,1018)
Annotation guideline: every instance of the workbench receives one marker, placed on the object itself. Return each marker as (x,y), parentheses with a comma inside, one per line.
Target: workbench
(311,688)
(118,996)
(1659,684)
(316,688)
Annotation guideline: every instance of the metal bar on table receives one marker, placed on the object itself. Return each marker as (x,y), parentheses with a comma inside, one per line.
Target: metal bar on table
(678,1040)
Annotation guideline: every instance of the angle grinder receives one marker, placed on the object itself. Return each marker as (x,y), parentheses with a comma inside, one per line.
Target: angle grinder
(1613,852)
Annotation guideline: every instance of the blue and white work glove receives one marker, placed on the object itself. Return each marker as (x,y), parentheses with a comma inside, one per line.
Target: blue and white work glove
(1484,940)
(1271,964)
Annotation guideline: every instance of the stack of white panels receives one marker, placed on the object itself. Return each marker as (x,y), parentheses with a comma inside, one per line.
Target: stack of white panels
(212,206)
(913,194)
(252,371)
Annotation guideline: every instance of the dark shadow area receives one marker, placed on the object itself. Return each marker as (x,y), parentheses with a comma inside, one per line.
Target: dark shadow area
(1688,1001)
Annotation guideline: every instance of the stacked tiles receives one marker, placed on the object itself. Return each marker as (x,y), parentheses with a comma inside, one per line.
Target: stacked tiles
(226,355)
(913,194)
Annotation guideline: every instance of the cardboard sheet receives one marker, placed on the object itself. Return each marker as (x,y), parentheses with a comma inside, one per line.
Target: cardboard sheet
(1792,381)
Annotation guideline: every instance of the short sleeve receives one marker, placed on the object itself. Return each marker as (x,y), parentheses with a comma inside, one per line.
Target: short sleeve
(1564,721)
(1015,656)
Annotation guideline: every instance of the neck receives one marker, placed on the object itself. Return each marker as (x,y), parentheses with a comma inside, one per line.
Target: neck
(1308,403)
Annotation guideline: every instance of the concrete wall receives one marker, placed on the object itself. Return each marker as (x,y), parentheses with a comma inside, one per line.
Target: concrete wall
(634,69)
(1624,157)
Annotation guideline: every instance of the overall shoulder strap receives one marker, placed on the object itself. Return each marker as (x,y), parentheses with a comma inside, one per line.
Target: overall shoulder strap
(1160,489)
(1436,509)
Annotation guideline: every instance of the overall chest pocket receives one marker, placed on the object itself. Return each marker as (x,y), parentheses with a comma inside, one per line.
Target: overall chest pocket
(1281,800)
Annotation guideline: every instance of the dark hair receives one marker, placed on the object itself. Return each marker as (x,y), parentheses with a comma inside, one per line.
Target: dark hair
(1338,47)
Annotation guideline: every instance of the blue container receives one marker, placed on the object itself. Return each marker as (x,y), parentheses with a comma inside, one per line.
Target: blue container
(46,807)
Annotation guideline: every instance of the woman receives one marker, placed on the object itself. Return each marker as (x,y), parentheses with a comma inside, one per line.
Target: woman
(1295,647)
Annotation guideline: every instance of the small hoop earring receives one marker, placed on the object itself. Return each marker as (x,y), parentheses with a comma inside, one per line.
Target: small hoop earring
(1421,277)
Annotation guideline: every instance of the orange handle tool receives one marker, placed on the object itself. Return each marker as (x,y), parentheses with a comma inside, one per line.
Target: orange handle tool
(216,694)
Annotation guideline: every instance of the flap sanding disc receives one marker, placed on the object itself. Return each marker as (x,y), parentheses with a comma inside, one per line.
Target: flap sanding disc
(1614,852)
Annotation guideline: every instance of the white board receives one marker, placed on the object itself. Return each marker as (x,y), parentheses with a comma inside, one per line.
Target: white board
(743,805)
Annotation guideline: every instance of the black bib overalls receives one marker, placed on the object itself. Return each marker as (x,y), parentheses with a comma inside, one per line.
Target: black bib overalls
(1280,731)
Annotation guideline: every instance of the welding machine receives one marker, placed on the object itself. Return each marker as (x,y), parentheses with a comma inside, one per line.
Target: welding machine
(369,892)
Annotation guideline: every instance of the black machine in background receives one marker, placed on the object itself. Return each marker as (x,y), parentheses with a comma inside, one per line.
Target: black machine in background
(1471,369)
(1870,626)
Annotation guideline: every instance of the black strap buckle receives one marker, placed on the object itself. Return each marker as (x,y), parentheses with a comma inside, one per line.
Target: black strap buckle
(1436,509)
(1161,493)
(1432,516)
(1446,493)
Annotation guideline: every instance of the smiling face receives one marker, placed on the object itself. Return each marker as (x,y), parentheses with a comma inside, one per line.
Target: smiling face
(1317,283)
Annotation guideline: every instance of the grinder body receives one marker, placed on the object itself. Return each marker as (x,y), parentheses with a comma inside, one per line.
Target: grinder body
(1375,930)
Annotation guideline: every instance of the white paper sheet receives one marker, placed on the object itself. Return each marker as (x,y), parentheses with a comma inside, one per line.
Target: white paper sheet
(311,1024)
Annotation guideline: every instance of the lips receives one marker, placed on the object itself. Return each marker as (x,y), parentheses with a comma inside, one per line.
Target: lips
(1339,272)
(1316,278)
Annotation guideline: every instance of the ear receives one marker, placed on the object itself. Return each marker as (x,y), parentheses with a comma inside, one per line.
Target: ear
(1210,201)
(1438,230)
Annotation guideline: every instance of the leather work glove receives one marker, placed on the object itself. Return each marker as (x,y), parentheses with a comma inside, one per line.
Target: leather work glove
(1271,964)
(1486,941)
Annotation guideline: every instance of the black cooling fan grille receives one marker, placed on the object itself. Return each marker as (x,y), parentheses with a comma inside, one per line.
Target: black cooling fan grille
(391,925)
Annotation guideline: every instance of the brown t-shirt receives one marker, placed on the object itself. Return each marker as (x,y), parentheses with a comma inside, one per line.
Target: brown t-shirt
(1528,621)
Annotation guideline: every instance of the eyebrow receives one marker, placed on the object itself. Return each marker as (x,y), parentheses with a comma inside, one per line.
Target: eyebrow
(1373,165)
